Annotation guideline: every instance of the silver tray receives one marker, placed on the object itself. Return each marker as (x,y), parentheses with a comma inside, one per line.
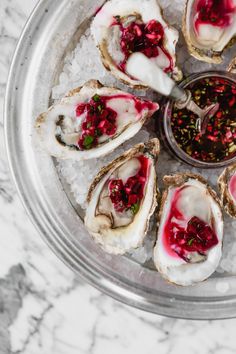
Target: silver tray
(52,30)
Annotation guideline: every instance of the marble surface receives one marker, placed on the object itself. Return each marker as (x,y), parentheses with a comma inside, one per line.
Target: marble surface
(44,307)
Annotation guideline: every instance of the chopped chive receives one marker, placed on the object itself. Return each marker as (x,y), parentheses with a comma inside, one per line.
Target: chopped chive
(134,208)
(96,98)
(190,242)
(88,140)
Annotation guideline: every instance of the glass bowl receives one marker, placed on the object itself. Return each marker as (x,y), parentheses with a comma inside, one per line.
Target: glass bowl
(166,130)
(52,31)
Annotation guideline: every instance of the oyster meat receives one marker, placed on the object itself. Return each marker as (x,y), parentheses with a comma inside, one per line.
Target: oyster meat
(209,26)
(122,199)
(123,27)
(227,187)
(189,244)
(92,121)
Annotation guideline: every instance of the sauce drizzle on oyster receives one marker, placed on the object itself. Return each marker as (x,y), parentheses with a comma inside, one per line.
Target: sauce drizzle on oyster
(183,235)
(99,118)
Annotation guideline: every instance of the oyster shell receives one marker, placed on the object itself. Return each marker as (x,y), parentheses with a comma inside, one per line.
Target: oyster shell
(92,121)
(119,207)
(189,244)
(232,66)
(227,187)
(209,27)
(122,27)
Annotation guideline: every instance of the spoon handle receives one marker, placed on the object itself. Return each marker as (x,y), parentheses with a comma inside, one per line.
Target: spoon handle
(142,68)
(146,71)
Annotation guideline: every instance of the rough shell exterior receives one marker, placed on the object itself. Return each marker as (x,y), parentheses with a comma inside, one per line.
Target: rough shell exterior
(227,201)
(232,66)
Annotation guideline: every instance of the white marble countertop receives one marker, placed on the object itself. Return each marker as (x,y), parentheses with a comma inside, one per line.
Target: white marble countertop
(44,307)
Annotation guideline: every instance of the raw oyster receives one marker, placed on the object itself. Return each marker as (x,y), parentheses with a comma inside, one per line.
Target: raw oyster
(122,199)
(227,186)
(123,27)
(189,244)
(209,27)
(92,121)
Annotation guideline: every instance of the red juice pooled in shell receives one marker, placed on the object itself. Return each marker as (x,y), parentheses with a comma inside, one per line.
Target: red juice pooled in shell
(101,120)
(215,13)
(182,236)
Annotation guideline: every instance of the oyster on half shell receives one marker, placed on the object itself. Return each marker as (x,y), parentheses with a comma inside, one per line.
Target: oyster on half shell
(209,27)
(122,27)
(122,198)
(92,121)
(189,244)
(227,187)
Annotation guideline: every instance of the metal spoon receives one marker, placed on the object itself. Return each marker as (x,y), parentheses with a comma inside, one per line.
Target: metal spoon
(143,69)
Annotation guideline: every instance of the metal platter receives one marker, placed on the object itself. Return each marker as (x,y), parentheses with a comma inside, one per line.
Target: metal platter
(53,29)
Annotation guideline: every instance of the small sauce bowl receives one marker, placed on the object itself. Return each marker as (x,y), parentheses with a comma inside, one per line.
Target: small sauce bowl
(168,135)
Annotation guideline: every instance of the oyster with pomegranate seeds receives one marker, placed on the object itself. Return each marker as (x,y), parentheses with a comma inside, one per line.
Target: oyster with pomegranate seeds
(122,199)
(189,244)
(123,27)
(209,27)
(92,121)
(227,186)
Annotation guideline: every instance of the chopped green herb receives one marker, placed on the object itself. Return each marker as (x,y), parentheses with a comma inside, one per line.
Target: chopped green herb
(135,208)
(100,108)
(190,242)
(96,98)
(88,140)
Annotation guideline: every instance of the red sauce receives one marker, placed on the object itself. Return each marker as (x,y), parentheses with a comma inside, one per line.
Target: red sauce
(182,236)
(232,186)
(218,143)
(214,12)
(145,38)
(101,119)
(128,196)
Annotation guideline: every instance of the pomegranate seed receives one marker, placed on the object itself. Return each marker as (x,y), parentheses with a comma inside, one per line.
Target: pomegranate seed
(138,30)
(80,109)
(132,199)
(219,114)
(232,101)
(102,124)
